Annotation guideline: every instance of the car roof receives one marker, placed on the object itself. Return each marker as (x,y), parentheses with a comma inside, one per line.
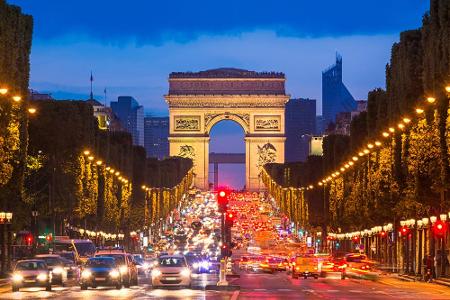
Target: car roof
(47,255)
(102,257)
(31,260)
(110,252)
(173,255)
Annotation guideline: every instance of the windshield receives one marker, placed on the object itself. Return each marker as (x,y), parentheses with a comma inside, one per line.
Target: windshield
(85,248)
(30,266)
(138,259)
(119,258)
(100,263)
(172,262)
(67,255)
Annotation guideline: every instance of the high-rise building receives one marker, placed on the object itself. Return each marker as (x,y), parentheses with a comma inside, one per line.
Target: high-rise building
(335,96)
(131,116)
(156,131)
(300,118)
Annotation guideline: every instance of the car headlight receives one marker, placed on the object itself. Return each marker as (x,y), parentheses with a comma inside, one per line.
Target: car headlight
(195,265)
(205,265)
(86,274)
(123,269)
(146,266)
(185,272)
(42,277)
(114,274)
(17,277)
(156,273)
(57,270)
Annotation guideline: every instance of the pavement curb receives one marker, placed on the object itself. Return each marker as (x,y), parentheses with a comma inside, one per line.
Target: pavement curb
(222,288)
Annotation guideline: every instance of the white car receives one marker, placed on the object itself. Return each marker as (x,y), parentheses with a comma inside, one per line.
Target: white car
(172,270)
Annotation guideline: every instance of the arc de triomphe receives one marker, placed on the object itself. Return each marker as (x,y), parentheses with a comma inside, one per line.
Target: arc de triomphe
(254,100)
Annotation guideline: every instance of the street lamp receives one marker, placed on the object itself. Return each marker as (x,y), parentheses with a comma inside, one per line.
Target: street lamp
(3,91)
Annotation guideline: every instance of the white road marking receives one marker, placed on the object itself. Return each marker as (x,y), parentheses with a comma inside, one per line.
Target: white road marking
(332,291)
(260,290)
(355,291)
(285,290)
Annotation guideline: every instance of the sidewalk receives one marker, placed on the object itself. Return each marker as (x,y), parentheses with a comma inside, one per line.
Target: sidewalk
(441,281)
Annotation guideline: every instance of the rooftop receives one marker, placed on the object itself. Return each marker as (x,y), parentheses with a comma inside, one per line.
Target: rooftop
(226,73)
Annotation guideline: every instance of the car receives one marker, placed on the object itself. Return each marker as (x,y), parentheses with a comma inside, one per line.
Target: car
(56,266)
(31,273)
(305,266)
(273,264)
(127,265)
(172,270)
(101,271)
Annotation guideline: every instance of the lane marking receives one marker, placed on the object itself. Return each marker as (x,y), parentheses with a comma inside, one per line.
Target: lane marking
(235,295)
(285,290)
(332,291)
(355,291)
(260,290)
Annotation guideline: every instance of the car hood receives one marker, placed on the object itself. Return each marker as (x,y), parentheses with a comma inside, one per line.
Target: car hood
(103,269)
(31,272)
(171,269)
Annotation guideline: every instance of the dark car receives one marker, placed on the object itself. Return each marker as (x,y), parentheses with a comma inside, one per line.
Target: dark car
(127,266)
(101,271)
(31,273)
(56,265)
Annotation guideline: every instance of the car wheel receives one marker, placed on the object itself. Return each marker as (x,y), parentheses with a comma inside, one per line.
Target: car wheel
(127,284)
(83,287)
(118,286)
(15,288)
(48,288)
(316,277)
(305,277)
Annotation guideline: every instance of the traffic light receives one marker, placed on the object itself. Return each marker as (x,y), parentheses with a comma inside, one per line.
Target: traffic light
(49,237)
(222,199)
(29,240)
(225,251)
(440,228)
(383,234)
(404,231)
(230,216)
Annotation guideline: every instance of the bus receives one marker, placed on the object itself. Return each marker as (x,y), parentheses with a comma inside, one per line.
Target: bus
(82,249)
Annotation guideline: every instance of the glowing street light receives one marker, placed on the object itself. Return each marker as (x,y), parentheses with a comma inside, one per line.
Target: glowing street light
(99,162)
(431,100)
(447,88)
(406,120)
(370,146)
(391,129)
(17,98)
(401,125)
(32,110)
(419,110)
(86,152)
(377,143)
(355,158)
(91,157)
(3,91)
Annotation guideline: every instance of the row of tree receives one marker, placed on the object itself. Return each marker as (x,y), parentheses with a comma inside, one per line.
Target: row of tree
(15,45)
(66,183)
(408,176)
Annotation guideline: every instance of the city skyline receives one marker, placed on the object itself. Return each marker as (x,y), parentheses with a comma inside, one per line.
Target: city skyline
(136,61)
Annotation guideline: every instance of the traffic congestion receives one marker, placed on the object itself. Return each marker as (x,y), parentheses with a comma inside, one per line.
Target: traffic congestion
(246,239)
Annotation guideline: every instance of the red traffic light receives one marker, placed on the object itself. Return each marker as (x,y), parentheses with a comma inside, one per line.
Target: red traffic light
(29,240)
(440,228)
(383,233)
(404,230)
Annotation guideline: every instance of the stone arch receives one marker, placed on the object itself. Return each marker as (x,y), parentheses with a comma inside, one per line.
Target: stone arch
(209,124)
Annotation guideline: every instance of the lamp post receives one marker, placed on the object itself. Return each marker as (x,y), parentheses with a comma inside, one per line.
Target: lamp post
(35,214)
(5,220)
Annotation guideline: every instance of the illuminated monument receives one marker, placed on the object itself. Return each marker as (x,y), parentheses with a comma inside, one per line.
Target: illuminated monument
(254,100)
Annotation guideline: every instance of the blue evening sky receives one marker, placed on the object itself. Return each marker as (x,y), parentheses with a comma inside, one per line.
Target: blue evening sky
(132,46)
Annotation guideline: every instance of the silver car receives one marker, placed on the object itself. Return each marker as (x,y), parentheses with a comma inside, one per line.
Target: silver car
(172,270)
(31,273)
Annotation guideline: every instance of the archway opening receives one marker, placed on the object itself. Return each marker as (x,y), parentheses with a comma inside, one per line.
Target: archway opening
(227,137)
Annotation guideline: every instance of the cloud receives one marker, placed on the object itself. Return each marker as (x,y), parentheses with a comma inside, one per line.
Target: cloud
(142,72)
(155,22)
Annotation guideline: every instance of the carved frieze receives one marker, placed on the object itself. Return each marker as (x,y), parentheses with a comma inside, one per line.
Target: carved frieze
(244,117)
(187,123)
(267,123)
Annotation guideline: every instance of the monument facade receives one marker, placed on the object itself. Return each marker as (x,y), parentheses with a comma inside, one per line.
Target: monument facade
(255,100)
